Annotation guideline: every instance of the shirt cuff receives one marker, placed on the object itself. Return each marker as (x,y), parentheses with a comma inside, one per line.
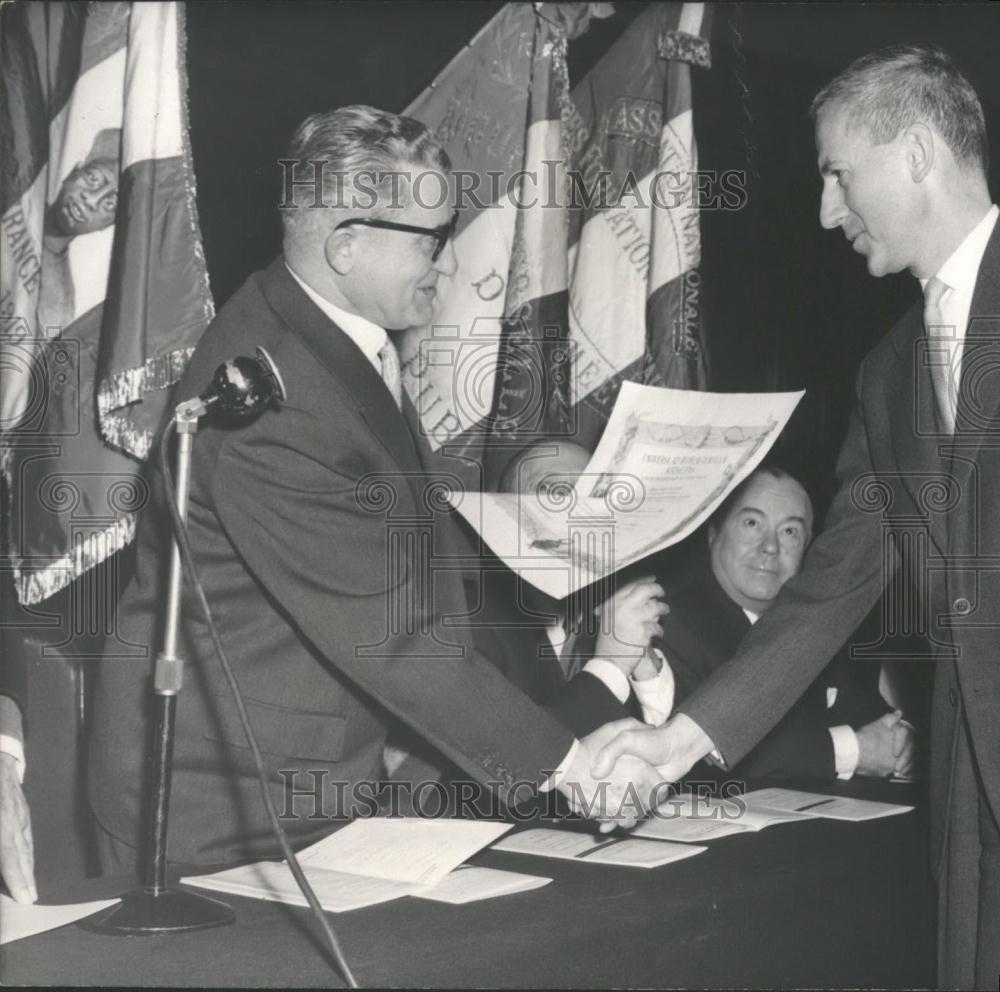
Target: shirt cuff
(611,675)
(715,757)
(553,780)
(656,694)
(14,747)
(846,753)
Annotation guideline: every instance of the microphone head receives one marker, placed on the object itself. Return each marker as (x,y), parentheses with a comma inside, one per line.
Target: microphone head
(271,372)
(243,386)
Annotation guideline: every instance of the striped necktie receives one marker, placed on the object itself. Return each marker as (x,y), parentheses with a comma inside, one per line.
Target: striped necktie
(944,368)
(391,374)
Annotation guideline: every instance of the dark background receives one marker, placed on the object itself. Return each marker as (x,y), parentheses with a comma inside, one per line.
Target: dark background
(787,305)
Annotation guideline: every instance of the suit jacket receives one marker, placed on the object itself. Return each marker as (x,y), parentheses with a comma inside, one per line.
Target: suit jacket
(704,629)
(14,670)
(13,678)
(509,626)
(907,497)
(328,557)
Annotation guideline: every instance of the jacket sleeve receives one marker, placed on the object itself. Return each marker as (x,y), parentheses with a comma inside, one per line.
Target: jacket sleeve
(585,703)
(789,646)
(799,746)
(372,595)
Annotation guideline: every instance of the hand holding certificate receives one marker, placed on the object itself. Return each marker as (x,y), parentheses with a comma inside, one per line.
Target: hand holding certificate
(666,460)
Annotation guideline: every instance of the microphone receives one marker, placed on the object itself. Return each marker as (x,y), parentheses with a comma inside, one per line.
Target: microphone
(241,387)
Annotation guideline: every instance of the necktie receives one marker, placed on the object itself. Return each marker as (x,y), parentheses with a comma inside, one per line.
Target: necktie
(943,367)
(391,374)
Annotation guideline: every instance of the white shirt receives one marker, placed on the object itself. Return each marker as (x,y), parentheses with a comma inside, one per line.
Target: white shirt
(959,273)
(369,337)
(655,694)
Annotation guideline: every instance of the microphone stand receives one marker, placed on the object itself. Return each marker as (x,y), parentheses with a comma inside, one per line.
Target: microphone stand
(155,907)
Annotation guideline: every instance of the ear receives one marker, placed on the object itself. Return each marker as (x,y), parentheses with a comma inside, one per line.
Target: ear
(919,147)
(338,249)
(711,531)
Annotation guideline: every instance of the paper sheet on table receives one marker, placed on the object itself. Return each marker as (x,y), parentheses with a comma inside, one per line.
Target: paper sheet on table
(596,848)
(684,830)
(337,891)
(18,920)
(402,849)
(366,862)
(816,804)
(666,460)
(731,812)
(470,883)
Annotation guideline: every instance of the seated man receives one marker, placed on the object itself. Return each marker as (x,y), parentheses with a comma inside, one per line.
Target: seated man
(756,542)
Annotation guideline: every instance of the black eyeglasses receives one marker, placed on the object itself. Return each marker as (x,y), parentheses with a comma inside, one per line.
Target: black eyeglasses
(441,234)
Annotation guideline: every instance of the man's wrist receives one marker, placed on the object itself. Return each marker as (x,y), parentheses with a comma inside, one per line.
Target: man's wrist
(695,744)
(655,694)
(564,766)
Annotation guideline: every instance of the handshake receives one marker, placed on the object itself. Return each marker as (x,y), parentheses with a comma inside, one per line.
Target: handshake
(621,771)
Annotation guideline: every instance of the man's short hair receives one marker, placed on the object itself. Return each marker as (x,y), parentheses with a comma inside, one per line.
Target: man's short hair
(359,149)
(888,90)
(726,506)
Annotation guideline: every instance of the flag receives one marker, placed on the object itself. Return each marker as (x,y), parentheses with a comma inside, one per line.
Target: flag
(635,238)
(478,107)
(579,244)
(107,293)
(531,386)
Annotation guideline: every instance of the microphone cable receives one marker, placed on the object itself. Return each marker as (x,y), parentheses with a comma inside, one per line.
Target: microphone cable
(181,535)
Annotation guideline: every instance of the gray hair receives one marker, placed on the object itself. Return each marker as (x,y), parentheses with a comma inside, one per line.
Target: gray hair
(360,153)
(888,90)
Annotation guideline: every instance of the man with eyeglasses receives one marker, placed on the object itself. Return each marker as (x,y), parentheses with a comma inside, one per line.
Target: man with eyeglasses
(331,567)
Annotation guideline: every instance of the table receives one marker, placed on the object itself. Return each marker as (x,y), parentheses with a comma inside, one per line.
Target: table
(822,903)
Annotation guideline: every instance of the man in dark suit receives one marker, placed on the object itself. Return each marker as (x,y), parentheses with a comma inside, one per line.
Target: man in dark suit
(328,555)
(755,544)
(902,146)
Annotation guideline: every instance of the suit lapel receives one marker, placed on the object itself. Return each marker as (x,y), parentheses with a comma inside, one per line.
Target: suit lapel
(344,361)
(721,623)
(979,389)
(913,420)
(978,410)
(921,451)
